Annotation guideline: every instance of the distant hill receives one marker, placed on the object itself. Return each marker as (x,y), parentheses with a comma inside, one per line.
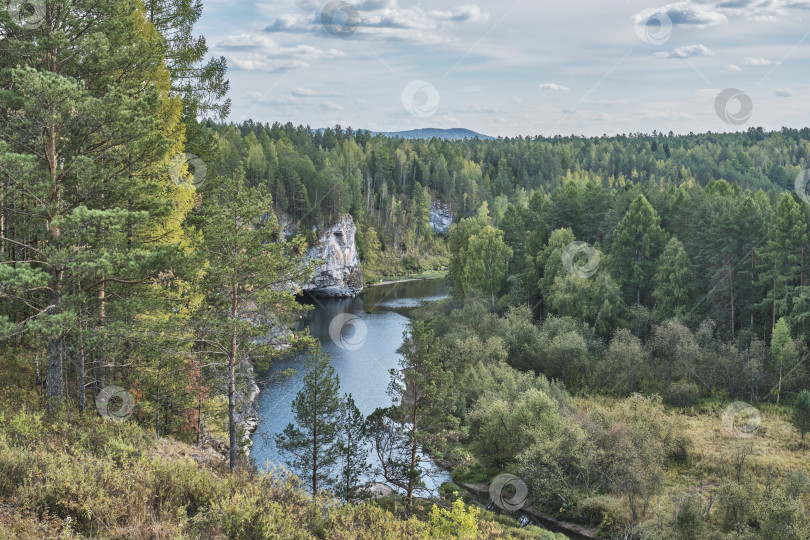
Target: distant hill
(429,133)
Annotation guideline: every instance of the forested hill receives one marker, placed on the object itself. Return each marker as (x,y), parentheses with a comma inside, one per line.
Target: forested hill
(318,174)
(429,133)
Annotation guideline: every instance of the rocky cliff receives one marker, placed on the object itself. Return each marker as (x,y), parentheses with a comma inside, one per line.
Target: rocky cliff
(441,217)
(340,275)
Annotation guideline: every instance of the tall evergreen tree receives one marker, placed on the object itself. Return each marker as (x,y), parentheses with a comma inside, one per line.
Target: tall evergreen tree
(674,290)
(801,412)
(87,133)
(780,258)
(248,308)
(353,451)
(313,442)
(637,243)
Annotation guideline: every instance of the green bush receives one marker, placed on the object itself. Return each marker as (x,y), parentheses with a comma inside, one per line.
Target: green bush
(682,394)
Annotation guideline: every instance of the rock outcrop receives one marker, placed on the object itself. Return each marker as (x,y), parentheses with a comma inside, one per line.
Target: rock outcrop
(340,275)
(441,217)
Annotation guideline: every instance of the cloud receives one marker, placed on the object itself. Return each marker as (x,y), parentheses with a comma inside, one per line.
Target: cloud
(385,19)
(311,92)
(687,51)
(758,62)
(555,87)
(251,52)
(732,67)
(784,92)
(684,14)
(331,106)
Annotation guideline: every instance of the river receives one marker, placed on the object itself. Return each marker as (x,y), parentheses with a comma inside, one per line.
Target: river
(361,336)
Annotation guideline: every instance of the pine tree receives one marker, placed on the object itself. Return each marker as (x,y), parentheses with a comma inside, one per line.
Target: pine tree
(801,412)
(201,83)
(353,451)
(674,290)
(244,278)
(637,243)
(312,444)
(780,259)
(87,161)
(423,400)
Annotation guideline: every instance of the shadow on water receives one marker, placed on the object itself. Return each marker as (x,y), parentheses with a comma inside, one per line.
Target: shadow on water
(366,333)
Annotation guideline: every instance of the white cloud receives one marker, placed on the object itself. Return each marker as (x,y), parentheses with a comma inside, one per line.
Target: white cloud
(687,51)
(684,14)
(732,67)
(758,62)
(331,106)
(555,87)
(252,52)
(385,19)
(784,92)
(312,92)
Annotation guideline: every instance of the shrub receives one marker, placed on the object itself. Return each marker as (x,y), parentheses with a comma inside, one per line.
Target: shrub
(682,394)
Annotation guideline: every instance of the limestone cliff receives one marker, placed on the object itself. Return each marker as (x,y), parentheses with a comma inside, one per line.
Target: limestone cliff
(441,217)
(340,274)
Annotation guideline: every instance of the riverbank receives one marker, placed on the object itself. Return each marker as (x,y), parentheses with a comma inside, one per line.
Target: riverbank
(423,276)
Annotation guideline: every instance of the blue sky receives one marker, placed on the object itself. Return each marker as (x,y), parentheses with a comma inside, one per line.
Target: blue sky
(522,67)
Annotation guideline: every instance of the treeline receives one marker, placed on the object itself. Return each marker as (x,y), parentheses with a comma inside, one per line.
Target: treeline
(706,285)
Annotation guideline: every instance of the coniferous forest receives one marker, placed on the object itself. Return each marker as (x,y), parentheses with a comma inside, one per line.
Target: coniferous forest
(625,349)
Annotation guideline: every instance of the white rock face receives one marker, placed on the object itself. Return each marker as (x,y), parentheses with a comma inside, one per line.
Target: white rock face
(441,217)
(340,276)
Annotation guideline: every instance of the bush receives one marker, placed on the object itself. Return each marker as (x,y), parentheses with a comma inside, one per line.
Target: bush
(682,394)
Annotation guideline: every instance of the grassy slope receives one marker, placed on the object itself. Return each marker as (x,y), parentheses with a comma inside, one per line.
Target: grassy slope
(80,477)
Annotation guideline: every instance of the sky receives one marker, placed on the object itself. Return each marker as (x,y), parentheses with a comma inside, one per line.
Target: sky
(516,67)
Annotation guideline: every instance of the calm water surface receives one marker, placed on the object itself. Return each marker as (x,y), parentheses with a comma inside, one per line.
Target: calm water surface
(361,363)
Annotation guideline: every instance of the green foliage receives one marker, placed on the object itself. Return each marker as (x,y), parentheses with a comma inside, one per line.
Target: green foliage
(313,442)
(459,521)
(801,412)
(637,243)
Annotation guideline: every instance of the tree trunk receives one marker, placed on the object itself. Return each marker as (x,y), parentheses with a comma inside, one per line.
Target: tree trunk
(232,371)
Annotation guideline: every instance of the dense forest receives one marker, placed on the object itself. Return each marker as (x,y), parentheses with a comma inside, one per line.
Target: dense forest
(614,301)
